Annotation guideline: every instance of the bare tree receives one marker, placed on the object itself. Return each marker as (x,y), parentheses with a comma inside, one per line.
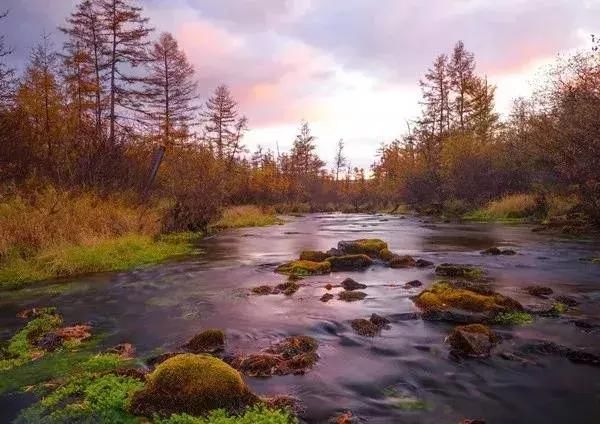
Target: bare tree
(7,74)
(340,159)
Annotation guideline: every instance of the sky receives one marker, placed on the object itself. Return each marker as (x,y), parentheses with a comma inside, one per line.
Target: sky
(349,67)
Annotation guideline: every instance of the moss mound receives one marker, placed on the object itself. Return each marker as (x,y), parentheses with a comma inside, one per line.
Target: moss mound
(386,254)
(313,256)
(349,262)
(445,295)
(302,268)
(459,271)
(192,384)
(472,340)
(208,341)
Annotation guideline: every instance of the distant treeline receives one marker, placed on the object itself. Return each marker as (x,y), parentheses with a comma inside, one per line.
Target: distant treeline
(91,115)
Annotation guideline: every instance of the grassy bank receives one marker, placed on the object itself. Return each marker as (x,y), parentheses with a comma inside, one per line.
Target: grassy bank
(53,234)
(518,208)
(246,216)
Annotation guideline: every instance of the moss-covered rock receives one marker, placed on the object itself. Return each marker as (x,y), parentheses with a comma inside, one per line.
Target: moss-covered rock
(413,284)
(349,262)
(370,247)
(192,384)
(402,261)
(351,296)
(313,256)
(459,271)
(288,288)
(208,341)
(293,355)
(445,295)
(472,340)
(386,254)
(423,263)
(369,327)
(303,268)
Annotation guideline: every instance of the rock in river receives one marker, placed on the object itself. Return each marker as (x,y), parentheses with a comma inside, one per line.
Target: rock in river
(208,341)
(350,284)
(472,340)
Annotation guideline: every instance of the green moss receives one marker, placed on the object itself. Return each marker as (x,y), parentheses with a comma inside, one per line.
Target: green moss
(192,384)
(370,247)
(558,309)
(386,254)
(21,347)
(404,401)
(118,254)
(313,256)
(443,295)
(459,271)
(302,268)
(253,415)
(513,318)
(86,397)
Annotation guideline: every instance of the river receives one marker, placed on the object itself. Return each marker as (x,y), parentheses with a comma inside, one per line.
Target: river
(162,306)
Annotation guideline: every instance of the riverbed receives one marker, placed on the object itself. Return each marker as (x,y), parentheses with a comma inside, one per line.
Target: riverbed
(158,308)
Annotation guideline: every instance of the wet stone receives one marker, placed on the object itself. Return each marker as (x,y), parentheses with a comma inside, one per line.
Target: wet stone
(326,297)
(422,263)
(413,284)
(539,291)
(350,284)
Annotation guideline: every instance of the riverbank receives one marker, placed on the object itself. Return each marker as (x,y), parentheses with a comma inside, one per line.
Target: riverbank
(60,234)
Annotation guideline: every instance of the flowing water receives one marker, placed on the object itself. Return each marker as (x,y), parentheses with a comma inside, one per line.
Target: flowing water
(162,306)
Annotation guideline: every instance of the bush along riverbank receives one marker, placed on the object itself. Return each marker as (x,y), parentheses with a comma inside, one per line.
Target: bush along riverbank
(54,234)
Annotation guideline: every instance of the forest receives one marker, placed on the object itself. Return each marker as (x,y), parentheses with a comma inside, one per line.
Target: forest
(111,159)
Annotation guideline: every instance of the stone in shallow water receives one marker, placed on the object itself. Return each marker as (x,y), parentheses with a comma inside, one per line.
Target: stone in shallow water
(349,262)
(404,261)
(412,284)
(326,297)
(351,296)
(350,284)
(539,291)
(208,341)
(422,263)
(472,340)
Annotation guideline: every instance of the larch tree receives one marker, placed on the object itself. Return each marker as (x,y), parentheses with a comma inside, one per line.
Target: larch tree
(85,53)
(170,90)
(461,71)
(223,129)
(305,161)
(436,96)
(126,32)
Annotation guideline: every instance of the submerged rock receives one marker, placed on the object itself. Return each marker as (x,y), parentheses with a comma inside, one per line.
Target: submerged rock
(326,297)
(577,356)
(404,261)
(495,251)
(370,327)
(208,341)
(344,418)
(192,384)
(351,296)
(262,290)
(350,284)
(459,271)
(422,263)
(412,284)
(539,291)
(472,340)
(288,288)
(567,300)
(349,262)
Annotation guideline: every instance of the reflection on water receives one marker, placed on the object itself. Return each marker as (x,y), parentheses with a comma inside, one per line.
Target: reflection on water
(162,306)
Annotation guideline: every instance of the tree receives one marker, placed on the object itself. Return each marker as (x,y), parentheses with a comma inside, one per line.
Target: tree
(170,89)
(224,130)
(483,119)
(461,70)
(85,53)
(340,159)
(304,160)
(7,74)
(127,38)
(436,94)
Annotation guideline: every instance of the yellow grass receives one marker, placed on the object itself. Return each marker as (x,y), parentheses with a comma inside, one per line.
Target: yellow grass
(246,216)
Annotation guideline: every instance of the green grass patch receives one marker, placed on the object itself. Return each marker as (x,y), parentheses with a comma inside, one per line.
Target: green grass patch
(254,415)
(513,318)
(118,254)
(246,216)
